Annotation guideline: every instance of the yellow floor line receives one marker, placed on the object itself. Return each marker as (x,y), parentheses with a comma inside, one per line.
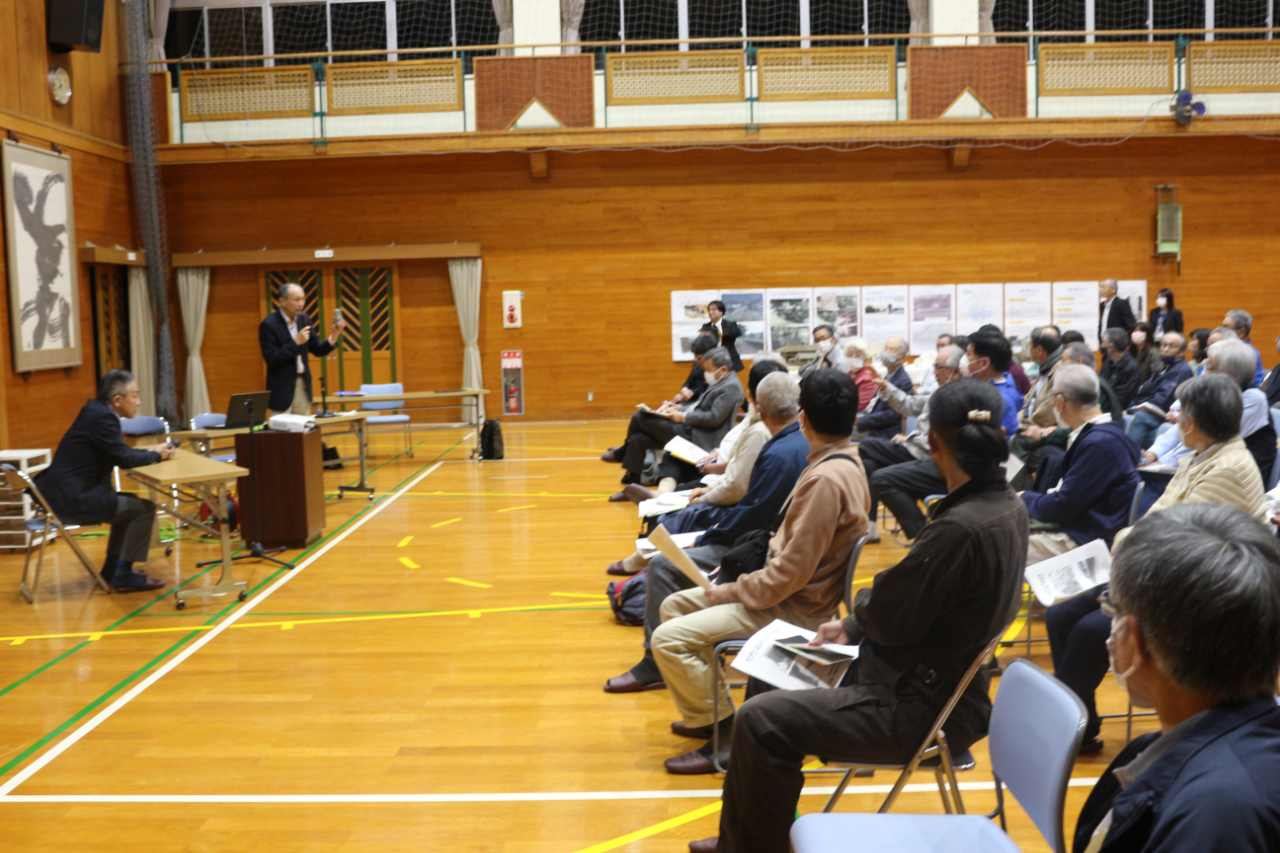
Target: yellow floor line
(864,580)
(443,523)
(404,541)
(681,820)
(470,583)
(410,563)
(581,594)
(96,635)
(1015,629)
(513,508)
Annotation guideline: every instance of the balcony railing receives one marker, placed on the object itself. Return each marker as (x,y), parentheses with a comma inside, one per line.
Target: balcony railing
(855,79)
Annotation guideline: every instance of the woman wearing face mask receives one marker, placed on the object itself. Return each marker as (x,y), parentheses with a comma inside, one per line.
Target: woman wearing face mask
(1164,317)
(1220,470)
(860,371)
(1147,355)
(830,354)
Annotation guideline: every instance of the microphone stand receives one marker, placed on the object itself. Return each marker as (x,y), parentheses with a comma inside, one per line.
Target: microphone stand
(256,551)
(324,399)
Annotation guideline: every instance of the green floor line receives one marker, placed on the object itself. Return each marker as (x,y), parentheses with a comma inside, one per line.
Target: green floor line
(33,673)
(79,715)
(393,459)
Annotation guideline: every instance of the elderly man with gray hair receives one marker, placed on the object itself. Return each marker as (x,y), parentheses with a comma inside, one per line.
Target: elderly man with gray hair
(1241,322)
(1099,472)
(881,421)
(1194,632)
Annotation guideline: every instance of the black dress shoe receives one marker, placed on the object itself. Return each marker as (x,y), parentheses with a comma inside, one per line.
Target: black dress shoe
(690,764)
(618,498)
(1092,746)
(134,582)
(706,845)
(610,455)
(628,683)
(620,570)
(679,728)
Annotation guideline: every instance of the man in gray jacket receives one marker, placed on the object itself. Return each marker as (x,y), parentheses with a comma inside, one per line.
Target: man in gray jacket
(704,423)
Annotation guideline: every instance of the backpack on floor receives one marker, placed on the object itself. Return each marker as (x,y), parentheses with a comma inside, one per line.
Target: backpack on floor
(491,440)
(626,597)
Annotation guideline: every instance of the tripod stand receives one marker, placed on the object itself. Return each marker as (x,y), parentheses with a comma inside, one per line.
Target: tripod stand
(256,551)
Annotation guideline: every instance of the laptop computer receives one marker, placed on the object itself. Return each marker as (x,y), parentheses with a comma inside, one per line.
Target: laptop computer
(238,411)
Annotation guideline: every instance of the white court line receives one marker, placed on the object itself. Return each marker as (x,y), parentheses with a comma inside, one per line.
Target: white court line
(539,459)
(253,602)
(567,796)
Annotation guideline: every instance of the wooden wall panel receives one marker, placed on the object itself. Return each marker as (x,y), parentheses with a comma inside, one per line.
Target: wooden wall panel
(232,360)
(598,245)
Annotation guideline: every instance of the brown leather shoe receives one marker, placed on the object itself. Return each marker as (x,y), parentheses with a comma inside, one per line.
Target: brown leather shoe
(627,683)
(690,764)
(620,570)
(706,845)
(618,498)
(703,732)
(610,455)
(636,493)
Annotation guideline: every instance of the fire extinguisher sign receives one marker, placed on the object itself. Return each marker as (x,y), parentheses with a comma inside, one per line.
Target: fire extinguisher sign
(513,382)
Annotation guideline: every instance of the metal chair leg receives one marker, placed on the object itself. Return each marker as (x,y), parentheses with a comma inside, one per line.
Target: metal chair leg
(835,795)
(85,561)
(408,439)
(30,595)
(946,765)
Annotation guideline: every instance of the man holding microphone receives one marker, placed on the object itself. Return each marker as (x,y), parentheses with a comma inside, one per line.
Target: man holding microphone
(286,336)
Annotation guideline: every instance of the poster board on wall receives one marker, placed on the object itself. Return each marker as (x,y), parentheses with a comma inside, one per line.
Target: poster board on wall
(978,305)
(1075,306)
(688,314)
(884,314)
(933,313)
(1027,304)
(40,240)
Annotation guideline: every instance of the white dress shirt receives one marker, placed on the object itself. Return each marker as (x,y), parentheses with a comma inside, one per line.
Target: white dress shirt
(293,333)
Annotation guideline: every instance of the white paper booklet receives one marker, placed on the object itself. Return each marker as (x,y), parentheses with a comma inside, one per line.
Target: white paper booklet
(1071,573)
(1012,467)
(670,502)
(782,666)
(684,540)
(683,448)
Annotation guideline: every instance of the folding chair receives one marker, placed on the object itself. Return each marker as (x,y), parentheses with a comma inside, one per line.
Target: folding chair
(17,481)
(1036,728)
(402,418)
(141,425)
(732,647)
(933,746)
(213,419)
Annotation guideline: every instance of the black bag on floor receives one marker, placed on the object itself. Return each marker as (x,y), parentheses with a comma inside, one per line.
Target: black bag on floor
(491,440)
(626,597)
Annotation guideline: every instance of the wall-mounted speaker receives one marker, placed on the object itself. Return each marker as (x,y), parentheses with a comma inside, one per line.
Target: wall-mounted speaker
(74,25)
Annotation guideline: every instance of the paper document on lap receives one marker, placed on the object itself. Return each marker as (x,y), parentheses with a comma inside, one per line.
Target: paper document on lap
(1071,573)
(1012,467)
(683,448)
(669,502)
(662,539)
(683,540)
(788,666)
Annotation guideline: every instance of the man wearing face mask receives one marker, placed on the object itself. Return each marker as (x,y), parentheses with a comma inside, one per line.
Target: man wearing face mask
(989,358)
(830,353)
(1099,472)
(1194,633)
(882,421)
(1113,312)
(1158,391)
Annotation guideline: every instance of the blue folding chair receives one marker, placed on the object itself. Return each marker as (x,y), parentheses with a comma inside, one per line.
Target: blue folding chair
(141,425)
(373,420)
(211,420)
(1037,725)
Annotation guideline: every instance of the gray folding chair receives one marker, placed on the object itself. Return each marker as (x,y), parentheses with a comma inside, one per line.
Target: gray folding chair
(214,419)
(17,481)
(732,647)
(1036,728)
(401,418)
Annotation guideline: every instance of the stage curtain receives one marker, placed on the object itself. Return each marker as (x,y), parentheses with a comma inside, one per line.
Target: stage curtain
(159,26)
(464,275)
(142,340)
(506,25)
(570,21)
(193,293)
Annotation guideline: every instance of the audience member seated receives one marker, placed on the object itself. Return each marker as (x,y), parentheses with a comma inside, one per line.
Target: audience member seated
(704,423)
(1021,381)
(1099,473)
(1142,348)
(882,421)
(1221,471)
(777,407)
(727,332)
(689,393)
(1071,336)
(899,469)
(990,357)
(858,358)
(930,382)
(779,465)
(77,484)
(1197,348)
(1271,385)
(1118,366)
(829,354)
(919,628)
(1222,333)
(801,581)
(1241,322)
(1195,593)
(722,474)
(1159,390)
(1035,421)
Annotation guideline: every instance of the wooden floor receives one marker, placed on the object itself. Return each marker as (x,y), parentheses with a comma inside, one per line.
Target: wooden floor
(429,678)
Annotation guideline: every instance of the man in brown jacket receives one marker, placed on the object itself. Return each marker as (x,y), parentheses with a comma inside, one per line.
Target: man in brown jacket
(801,582)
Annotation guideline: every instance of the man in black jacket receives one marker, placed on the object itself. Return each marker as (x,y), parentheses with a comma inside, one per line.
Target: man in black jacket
(726,331)
(1113,311)
(883,421)
(286,337)
(1119,369)
(77,484)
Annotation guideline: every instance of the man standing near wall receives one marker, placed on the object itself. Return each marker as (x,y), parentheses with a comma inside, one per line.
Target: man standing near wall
(286,336)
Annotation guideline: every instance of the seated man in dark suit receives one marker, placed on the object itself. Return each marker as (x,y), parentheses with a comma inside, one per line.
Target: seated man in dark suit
(883,421)
(77,484)
(286,337)
(1159,389)
(1195,634)
(1119,367)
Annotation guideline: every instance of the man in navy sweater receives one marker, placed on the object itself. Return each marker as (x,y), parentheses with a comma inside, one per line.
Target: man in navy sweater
(1159,389)
(883,421)
(779,465)
(1099,472)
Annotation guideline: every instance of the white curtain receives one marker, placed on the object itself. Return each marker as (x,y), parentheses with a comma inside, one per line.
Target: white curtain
(142,339)
(506,25)
(919,21)
(570,21)
(986,24)
(193,293)
(159,26)
(464,275)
